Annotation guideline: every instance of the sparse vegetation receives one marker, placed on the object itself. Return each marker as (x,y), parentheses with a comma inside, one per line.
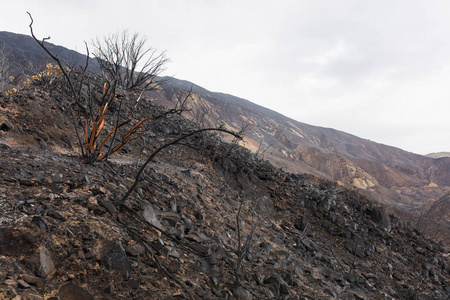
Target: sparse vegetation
(47,76)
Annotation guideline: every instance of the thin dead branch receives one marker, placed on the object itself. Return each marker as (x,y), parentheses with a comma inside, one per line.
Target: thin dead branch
(162,147)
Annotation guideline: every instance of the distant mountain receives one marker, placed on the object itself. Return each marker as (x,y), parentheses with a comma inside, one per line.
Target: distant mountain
(25,50)
(438,154)
(390,175)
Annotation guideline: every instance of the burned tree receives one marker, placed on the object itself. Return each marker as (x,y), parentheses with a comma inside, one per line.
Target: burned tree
(104,105)
(126,59)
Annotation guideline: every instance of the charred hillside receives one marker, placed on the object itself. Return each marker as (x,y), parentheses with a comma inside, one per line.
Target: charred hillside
(303,147)
(208,219)
(400,179)
(405,181)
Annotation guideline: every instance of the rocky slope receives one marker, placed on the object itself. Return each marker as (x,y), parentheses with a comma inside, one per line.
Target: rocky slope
(183,233)
(392,176)
(326,152)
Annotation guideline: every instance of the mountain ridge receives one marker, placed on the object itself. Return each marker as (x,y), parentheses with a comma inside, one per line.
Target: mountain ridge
(26,51)
(438,154)
(327,139)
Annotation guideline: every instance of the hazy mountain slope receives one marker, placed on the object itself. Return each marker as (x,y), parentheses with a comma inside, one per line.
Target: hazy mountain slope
(25,51)
(439,154)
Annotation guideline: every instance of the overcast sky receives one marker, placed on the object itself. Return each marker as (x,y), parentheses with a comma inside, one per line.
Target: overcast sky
(377,69)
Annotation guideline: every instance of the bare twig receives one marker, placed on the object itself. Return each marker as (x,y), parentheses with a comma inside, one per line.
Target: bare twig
(69,81)
(243,250)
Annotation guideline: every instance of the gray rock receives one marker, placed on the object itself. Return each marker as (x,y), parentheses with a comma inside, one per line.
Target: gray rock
(424,244)
(72,291)
(170,218)
(311,204)
(39,221)
(299,270)
(213,260)
(265,247)
(157,244)
(4,147)
(108,205)
(195,238)
(380,216)
(258,278)
(272,280)
(136,249)
(174,253)
(188,224)
(11,283)
(113,257)
(284,289)
(16,268)
(300,224)
(176,232)
(174,204)
(150,216)
(170,251)
(42,143)
(31,279)
(46,267)
(55,215)
(243,294)
(171,231)
(330,292)
(359,294)
(23,284)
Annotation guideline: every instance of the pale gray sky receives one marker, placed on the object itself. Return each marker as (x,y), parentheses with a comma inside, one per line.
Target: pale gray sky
(377,69)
